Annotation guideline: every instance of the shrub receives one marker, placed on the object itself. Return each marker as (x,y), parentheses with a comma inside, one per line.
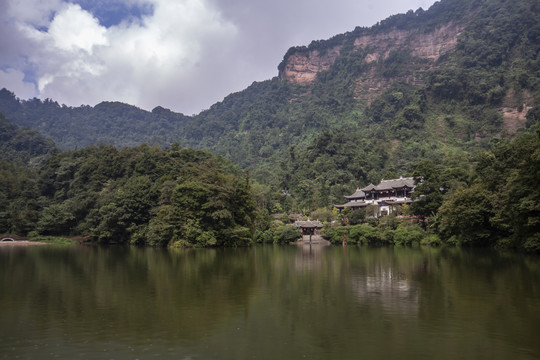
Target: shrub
(408,234)
(286,234)
(366,234)
(264,236)
(336,235)
(431,240)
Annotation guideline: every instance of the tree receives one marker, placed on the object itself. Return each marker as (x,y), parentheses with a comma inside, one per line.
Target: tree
(408,234)
(286,234)
(466,216)
(519,211)
(427,194)
(55,219)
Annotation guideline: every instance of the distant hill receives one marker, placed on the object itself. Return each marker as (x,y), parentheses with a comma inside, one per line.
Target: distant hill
(112,123)
(438,84)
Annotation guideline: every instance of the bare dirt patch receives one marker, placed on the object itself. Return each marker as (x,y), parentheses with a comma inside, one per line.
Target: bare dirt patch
(513,119)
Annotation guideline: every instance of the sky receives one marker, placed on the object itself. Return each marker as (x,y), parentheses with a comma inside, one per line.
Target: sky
(184,55)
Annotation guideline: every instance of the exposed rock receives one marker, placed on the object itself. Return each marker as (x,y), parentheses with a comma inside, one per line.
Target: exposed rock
(426,46)
(369,87)
(301,67)
(513,119)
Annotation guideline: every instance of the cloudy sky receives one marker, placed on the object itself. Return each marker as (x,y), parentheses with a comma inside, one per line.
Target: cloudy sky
(184,55)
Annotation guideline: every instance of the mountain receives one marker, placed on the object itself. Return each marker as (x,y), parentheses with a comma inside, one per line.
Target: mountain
(113,123)
(439,84)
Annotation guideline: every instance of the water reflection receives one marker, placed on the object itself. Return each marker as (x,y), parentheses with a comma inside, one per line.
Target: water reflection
(268,302)
(310,256)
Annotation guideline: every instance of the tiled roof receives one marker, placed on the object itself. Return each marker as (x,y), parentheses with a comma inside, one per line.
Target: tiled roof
(352,204)
(395,184)
(368,188)
(309,224)
(358,194)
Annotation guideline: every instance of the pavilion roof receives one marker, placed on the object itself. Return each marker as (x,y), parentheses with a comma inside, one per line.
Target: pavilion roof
(309,224)
(352,204)
(368,188)
(395,184)
(358,194)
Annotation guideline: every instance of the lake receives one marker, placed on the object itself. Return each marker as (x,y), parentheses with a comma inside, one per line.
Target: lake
(268,302)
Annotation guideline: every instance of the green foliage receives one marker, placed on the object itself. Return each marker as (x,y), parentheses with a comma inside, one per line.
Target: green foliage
(373,235)
(265,237)
(466,215)
(108,122)
(365,234)
(408,235)
(142,196)
(19,196)
(286,234)
(357,216)
(54,240)
(431,240)
(306,145)
(427,193)
(322,214)
(336,234)
(55,219)
(502,206)
(23,145)
(320,141)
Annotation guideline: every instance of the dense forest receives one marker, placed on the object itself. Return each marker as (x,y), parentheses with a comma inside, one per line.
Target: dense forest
(138,195)
(465,123)
(489,199)
(25,146)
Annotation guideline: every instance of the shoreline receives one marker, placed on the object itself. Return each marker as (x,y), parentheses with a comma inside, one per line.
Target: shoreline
(21,243)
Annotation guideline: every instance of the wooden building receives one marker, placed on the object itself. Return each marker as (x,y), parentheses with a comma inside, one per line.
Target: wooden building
(385,196)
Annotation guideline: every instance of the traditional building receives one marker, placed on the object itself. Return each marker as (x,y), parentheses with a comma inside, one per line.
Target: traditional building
(308,227)
(384,196)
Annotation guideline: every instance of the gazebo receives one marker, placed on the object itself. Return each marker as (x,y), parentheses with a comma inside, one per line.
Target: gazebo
(308,227)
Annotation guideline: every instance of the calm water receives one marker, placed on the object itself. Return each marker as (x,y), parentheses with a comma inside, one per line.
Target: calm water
(268,303)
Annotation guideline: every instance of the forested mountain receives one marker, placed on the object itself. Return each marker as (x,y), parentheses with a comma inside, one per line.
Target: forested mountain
(111,123)
(438,84)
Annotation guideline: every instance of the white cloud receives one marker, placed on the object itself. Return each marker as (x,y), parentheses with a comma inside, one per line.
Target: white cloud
(14,81)
(36,12)
(73,28)
(140,62)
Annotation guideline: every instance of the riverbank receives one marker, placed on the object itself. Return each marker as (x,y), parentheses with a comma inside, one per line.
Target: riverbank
(21,243)
(15,240)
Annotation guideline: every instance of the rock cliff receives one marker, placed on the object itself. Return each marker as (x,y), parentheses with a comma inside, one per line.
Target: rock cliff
(301,65)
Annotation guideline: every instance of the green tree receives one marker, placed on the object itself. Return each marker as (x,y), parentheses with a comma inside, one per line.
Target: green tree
(519,209)
(406,234)
(286,234)
(427,194)
(466,217)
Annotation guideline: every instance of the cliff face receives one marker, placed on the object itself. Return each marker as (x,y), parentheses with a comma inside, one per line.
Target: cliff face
(425,46)
(302,66)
